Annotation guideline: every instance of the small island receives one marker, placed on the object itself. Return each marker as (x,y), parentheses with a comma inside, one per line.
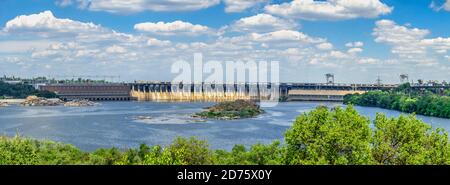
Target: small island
(238,109)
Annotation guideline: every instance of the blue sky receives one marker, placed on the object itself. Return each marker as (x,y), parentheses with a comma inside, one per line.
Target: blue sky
(357,40)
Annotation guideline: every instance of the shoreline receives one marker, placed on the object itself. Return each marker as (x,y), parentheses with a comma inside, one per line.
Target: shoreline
(18,101)
(12,101)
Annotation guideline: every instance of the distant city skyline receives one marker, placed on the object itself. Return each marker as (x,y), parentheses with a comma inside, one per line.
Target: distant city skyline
(356,40)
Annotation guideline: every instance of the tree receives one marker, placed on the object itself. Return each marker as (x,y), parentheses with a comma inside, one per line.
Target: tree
(182,152)
(22,91)
(259,154)
(329,137)
(406,140)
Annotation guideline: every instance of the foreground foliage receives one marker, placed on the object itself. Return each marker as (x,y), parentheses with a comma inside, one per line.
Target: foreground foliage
(322,136)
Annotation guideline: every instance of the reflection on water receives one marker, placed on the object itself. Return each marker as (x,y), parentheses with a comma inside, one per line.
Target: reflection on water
(128,124)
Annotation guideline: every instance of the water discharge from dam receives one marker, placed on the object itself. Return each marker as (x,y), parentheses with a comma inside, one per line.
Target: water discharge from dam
(204,92)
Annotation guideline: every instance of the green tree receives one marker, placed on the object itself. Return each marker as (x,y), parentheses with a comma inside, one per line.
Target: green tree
(22,91)
(259,154)
(182,151)
(329,137)
(407,140)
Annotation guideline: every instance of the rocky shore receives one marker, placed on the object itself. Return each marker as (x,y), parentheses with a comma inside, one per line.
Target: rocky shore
(80,103)
(238,109)
(3,104)
(39,101)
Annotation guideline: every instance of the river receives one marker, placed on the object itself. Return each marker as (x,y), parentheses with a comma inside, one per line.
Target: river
(128,124)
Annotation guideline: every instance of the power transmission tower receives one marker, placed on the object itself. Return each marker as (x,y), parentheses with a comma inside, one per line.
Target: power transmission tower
(379,81)
(330,78)
(404,78)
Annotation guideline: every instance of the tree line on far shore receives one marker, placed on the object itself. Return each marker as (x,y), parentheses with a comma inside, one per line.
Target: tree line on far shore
(405,99)
(323,136)
(22,91)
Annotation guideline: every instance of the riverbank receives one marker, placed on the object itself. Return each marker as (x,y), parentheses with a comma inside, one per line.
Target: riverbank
(3,104)
(12,101)
(427,104)
(39,101)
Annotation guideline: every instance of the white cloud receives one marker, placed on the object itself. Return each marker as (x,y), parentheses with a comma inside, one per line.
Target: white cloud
(56,50)
(172,28)
(156,42)
(440,6)
(368,61)
(439,44)
(405,41)
(325,46)
(57,39)
(411,43)
(90,53)
(134,6)
(284,35)
(232,6)
(354,44)
(45,22)
(116,49)
(330,9)
(354,47)
(338,54)
(262,23)
(355,50)
(23,46)
(64,3)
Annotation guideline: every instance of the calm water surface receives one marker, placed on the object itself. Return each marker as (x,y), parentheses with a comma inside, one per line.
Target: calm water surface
(128,124)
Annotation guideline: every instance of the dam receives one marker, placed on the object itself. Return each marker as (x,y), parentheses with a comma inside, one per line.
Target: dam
(170,91)
(167,91)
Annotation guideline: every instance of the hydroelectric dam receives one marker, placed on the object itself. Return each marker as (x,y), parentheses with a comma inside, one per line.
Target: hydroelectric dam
(168,91)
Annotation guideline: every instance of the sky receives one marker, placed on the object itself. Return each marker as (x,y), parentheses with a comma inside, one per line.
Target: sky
(356,40)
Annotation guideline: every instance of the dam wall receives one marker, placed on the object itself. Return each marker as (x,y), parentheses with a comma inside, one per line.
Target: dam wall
(202,92)
(169,91)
